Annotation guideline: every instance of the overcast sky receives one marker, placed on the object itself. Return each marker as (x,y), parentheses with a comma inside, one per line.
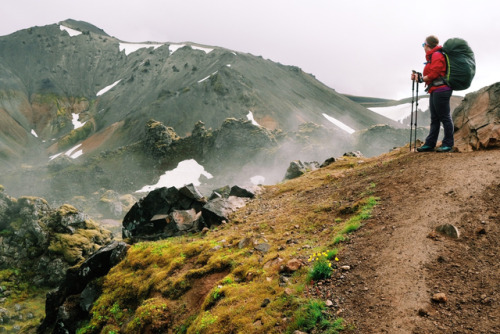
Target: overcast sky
(359,47)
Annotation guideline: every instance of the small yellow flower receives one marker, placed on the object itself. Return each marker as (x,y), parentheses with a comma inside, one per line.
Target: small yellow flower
(317,259)
(336,259)
(329,264)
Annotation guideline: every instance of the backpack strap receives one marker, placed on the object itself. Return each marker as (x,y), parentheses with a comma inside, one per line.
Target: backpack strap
(441,80)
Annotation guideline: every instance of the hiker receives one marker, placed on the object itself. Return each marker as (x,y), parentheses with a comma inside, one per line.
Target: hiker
(440,94)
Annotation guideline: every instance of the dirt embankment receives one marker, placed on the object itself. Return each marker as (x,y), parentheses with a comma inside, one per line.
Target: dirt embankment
(398,262)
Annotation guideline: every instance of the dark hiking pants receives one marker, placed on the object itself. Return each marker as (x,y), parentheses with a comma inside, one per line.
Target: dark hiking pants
(439,104)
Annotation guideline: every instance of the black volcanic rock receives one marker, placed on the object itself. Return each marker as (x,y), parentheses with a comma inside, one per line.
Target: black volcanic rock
(167,212)
(64,307)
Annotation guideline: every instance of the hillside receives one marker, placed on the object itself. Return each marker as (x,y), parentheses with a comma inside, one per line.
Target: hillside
(375,219)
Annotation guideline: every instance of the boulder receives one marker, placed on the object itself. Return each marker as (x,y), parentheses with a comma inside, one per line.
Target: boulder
(137,222)
(219,209)
(241,192)
(220,192)
(449,230)
(168,212)
(353,154)
(477,120)
(327,162)
(297,168)
(42,242)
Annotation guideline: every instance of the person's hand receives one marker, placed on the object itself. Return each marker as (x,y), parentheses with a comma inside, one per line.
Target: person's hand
(416,76)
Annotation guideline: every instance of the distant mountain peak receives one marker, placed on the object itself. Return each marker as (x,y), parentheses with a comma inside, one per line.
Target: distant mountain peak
(82,26)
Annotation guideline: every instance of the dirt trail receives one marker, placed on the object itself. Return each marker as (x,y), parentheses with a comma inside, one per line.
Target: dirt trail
(398,262)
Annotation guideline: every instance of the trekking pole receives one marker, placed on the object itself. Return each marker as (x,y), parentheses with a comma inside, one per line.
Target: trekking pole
(411,115)
(416,114)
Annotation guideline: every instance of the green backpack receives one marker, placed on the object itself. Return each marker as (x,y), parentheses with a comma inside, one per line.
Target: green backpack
(460,63)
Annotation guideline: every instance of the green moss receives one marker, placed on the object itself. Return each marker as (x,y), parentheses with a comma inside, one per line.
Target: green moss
(363,211)
(66,209)
(153,315)
(76,135)
(70,246)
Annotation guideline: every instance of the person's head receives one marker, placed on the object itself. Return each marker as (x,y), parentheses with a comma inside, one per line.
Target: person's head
(431,42)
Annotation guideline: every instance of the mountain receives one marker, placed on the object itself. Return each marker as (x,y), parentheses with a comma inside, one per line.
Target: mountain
(57,73)
(71,90)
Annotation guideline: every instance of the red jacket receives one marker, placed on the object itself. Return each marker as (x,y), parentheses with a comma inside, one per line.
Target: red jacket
(435,67)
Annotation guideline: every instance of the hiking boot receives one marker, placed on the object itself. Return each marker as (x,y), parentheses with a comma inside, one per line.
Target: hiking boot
(425,148)
(444,149)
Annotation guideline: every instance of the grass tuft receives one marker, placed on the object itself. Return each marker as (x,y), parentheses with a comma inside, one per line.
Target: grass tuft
(312,316)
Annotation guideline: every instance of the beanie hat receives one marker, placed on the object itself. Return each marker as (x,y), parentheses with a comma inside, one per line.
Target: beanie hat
(432,41)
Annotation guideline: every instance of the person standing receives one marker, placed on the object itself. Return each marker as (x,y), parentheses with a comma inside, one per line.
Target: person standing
(440,94)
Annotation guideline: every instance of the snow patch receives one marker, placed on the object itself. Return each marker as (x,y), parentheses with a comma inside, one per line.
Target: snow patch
(174,47)
(34,133)
(250,118)
(72,154)
(132,47)
(71,32)
(207,50)
(341,125)
(76,123)
(107,88)
(400,112)
(200,81)
(77,154)
(52,157)
(186,172)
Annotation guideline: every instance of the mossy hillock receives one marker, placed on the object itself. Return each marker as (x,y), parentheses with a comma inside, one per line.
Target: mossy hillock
(36,237)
